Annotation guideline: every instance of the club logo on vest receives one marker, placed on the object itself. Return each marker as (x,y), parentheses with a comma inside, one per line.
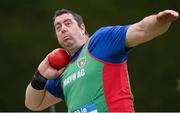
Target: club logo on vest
(81,62)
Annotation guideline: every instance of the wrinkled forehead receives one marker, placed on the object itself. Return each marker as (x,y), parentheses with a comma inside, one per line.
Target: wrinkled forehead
(63,17)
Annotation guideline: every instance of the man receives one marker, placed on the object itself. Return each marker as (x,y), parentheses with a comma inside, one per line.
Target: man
(96,79)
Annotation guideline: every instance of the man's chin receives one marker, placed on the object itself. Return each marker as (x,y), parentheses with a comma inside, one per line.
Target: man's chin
(68,44)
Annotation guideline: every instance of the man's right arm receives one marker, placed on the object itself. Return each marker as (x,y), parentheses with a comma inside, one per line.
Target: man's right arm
(38,100)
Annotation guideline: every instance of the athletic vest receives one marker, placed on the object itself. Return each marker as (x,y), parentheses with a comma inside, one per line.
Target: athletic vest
(90,84)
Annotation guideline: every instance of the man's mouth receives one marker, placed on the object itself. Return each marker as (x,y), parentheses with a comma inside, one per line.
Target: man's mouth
(66,37)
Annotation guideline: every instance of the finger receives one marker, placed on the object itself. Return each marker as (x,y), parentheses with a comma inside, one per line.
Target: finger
(167,16)
(46,59)
(171,12)
(61,70)
(175,14)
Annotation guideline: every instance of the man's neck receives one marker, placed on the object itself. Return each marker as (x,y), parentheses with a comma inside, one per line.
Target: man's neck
(73,50)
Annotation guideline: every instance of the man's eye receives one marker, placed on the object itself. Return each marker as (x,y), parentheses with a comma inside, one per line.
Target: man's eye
(58,28)
(68,24)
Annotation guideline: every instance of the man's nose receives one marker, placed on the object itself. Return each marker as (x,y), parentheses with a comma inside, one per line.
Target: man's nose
(64,28)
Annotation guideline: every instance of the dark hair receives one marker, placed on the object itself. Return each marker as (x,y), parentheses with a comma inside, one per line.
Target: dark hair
(76,16)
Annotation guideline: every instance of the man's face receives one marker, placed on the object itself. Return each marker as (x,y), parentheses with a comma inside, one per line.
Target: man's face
(69,34)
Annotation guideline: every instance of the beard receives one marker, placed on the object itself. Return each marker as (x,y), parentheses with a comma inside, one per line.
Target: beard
(67,44)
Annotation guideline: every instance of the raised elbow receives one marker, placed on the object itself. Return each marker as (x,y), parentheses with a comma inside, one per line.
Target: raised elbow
(32,107)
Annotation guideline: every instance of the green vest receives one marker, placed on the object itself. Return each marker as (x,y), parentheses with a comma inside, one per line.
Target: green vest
(82,82)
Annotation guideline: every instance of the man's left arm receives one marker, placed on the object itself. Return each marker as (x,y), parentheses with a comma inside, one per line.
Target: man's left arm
(150,27)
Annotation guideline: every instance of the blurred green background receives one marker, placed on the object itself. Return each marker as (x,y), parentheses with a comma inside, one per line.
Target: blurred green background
(27,36)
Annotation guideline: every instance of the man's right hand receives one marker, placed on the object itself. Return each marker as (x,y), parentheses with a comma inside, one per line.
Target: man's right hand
(47,71)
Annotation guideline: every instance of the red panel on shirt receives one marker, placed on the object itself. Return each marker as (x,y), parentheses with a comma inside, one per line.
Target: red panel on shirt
(117,88)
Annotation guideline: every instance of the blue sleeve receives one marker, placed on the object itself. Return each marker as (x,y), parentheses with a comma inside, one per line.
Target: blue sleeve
(54,87)
(108,44)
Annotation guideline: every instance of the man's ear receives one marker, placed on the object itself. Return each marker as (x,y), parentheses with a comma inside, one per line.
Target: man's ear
(83,28)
